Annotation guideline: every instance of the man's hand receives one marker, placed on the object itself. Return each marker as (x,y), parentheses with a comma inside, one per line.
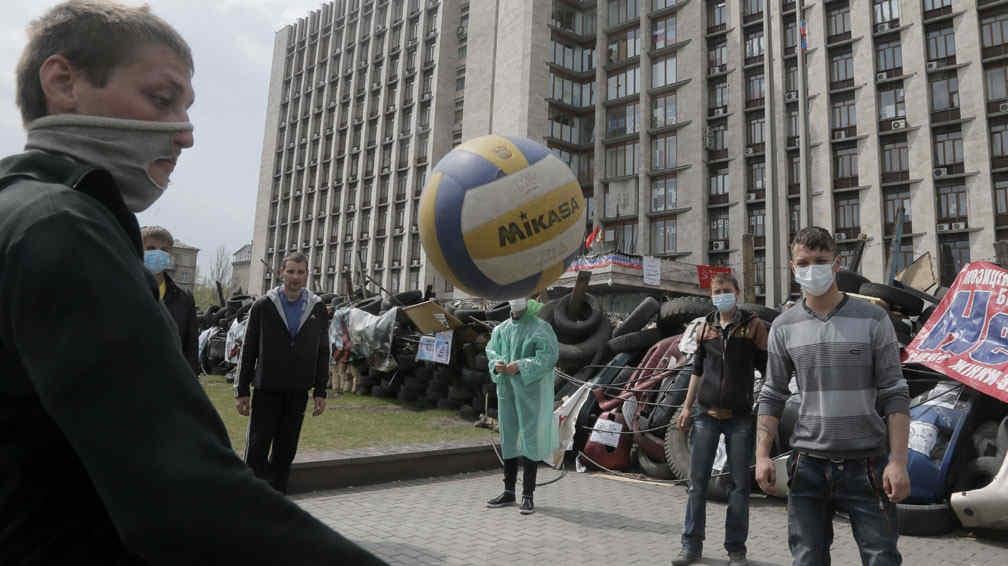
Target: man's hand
(685,420)
(243,405)
(319,406)
(766,474)
(499,367)
(896,481)
(511,368)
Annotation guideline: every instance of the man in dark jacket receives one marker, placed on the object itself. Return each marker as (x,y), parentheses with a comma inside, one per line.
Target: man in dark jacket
(158,244)
(110,452)
(731,346)
(286,352)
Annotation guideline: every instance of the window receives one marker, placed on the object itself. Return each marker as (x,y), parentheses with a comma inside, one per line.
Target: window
(752,7)
(663,110)
(955,254)
(717,136)
(886,11)
(663,236)
(756,219)
(838,22)
(994,30)
(895,158)
(755,127)
(460,78)
(996,79)
(791,78)
(663,152)
(623,46)
(624,235)
(841,69)
(623,83)
(719,95)
(941,44)
(663,32)
(663,71)
(888,56)
(719,224)
(848,216)
(755,89)
(999,139)
(894,199)
(459,105)
(717,55)
(717,14)
(621,120)
(892,103)
(753,45)
(620,11)
(718,183)
(845,164)
(571,92)
(844,113)
(948,148)
(1001,201)
(944,92)
(621,160)
(663,193)
(931,5)
(790,36)
(757,176)
(904,255)
(952,203)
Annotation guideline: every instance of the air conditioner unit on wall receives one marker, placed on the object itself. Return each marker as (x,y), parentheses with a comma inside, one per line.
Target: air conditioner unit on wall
(758,289)
(884,26)
(840,135)
(939,172)
(791,96)
(719,245)
(750,151)
(958,225)
(881,76)
(752,196)
(1003,107)
(898,124)
(932,65)
(840,235)
(943,227)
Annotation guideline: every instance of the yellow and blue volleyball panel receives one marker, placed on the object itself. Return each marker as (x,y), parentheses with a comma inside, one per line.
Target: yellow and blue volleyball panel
(501,217)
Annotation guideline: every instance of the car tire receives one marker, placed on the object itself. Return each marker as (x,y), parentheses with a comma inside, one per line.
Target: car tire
(460,393)
(572,329)
(653,469)
(925,520)
(677,451)
(898,299)
(849,281)
(448,404)
(680,311)
(635,341)
(639,317)
(466,412)
(474,378)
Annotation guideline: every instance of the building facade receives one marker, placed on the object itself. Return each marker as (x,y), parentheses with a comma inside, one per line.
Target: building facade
(241,260)
(184,265)
(693,122)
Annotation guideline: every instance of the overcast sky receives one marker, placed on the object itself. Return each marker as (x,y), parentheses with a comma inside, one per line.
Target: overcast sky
(211,201)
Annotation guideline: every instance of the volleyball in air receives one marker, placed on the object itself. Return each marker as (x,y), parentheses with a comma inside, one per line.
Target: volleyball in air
(501,217)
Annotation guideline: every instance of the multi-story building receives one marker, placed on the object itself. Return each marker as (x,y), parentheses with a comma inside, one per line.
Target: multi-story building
(241,260)
(361,98)
(693,122)
(184,265)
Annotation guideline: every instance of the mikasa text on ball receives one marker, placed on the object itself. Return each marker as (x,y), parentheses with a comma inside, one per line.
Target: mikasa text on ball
(501,217)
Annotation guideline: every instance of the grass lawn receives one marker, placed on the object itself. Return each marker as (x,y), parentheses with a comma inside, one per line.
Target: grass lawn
(352,421)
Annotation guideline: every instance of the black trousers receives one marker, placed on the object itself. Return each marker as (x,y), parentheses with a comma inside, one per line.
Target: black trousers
(529,469)
(275,424)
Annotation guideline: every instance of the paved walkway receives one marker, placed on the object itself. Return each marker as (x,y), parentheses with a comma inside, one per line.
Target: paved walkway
(582,519)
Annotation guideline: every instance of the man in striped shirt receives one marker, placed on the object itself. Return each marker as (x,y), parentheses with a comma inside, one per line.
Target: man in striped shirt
(845,357)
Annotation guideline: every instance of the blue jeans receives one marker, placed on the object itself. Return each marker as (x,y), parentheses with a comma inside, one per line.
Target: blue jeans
(817,487)
(707,431)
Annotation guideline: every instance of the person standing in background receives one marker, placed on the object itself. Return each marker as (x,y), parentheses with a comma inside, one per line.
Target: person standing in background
(158,244)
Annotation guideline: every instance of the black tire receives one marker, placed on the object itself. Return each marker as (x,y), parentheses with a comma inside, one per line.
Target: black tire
(672,395)
(903,332)
(572,329)
(677,452)
(468,315)
(379,391)
(460,393)
(925,520)
(547,310)
(474,378)
(926,297)
(925,315)
(448,404)
(480,362)
(898,299)
(765,313)
(978,473)
(406,361)
(653,469)
(466,412)
(415,385)
(849,281)
(680,311)
(407,396)
(371,306)
(635,341)
(639,317)
(575,356)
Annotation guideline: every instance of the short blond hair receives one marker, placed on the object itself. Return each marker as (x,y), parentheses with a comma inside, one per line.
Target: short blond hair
(96,36)
(157,233)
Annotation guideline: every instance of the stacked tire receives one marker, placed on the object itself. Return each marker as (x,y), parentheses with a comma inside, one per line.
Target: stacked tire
(582,335)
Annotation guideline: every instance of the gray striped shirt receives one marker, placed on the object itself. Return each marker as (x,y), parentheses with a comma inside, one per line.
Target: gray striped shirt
(848,372)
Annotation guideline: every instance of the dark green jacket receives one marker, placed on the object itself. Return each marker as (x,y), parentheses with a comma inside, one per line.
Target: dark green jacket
(110,452)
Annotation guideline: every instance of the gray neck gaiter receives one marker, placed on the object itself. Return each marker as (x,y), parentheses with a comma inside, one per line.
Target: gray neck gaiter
(125,148)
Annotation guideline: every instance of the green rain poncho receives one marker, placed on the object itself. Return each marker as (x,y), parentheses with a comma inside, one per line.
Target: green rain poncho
(525,400)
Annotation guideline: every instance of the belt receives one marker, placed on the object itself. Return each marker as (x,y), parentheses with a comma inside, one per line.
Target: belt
(839,459)
(720,414)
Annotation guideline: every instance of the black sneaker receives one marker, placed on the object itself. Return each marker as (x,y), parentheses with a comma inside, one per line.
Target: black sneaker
(527,508)
(686,557)
(502,500)
(737,559)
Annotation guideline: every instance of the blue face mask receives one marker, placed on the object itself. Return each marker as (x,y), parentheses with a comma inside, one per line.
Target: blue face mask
(724,302)
(157,261)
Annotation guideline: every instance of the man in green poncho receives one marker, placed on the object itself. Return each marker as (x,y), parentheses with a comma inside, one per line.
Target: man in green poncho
(521,354)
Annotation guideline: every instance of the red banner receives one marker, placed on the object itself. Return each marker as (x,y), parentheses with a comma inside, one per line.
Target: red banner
(967,336)
(706,272)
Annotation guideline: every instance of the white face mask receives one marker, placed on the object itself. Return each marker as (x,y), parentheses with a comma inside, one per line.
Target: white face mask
(125,148)
(815,279)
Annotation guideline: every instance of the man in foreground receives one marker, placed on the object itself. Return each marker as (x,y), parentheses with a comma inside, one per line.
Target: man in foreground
(846,360)
(731,346)
(158,244)
(286,352)
(521,354)
(110,452)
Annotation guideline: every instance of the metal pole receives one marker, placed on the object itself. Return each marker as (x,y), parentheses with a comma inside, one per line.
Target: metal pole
(805,200)
(894,248)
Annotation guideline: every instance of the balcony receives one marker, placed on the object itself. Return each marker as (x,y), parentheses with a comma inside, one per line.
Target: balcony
(720,198)
(755,149)
(997,106)
(792,141)
(887,26)
(895,176)
(847,233)
(788,6)
(755,102)
(999,161)
(838,38)
(841,85)
(950,115)
(890,228)
(717,154)
(841,134)
(716,111)
(718,28)
(939,12)
(793,190)
(893,124)
(754,60)
(752,18)
(845,182)
(995,50)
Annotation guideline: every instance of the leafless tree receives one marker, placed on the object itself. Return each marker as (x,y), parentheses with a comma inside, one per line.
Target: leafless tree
(220,267)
